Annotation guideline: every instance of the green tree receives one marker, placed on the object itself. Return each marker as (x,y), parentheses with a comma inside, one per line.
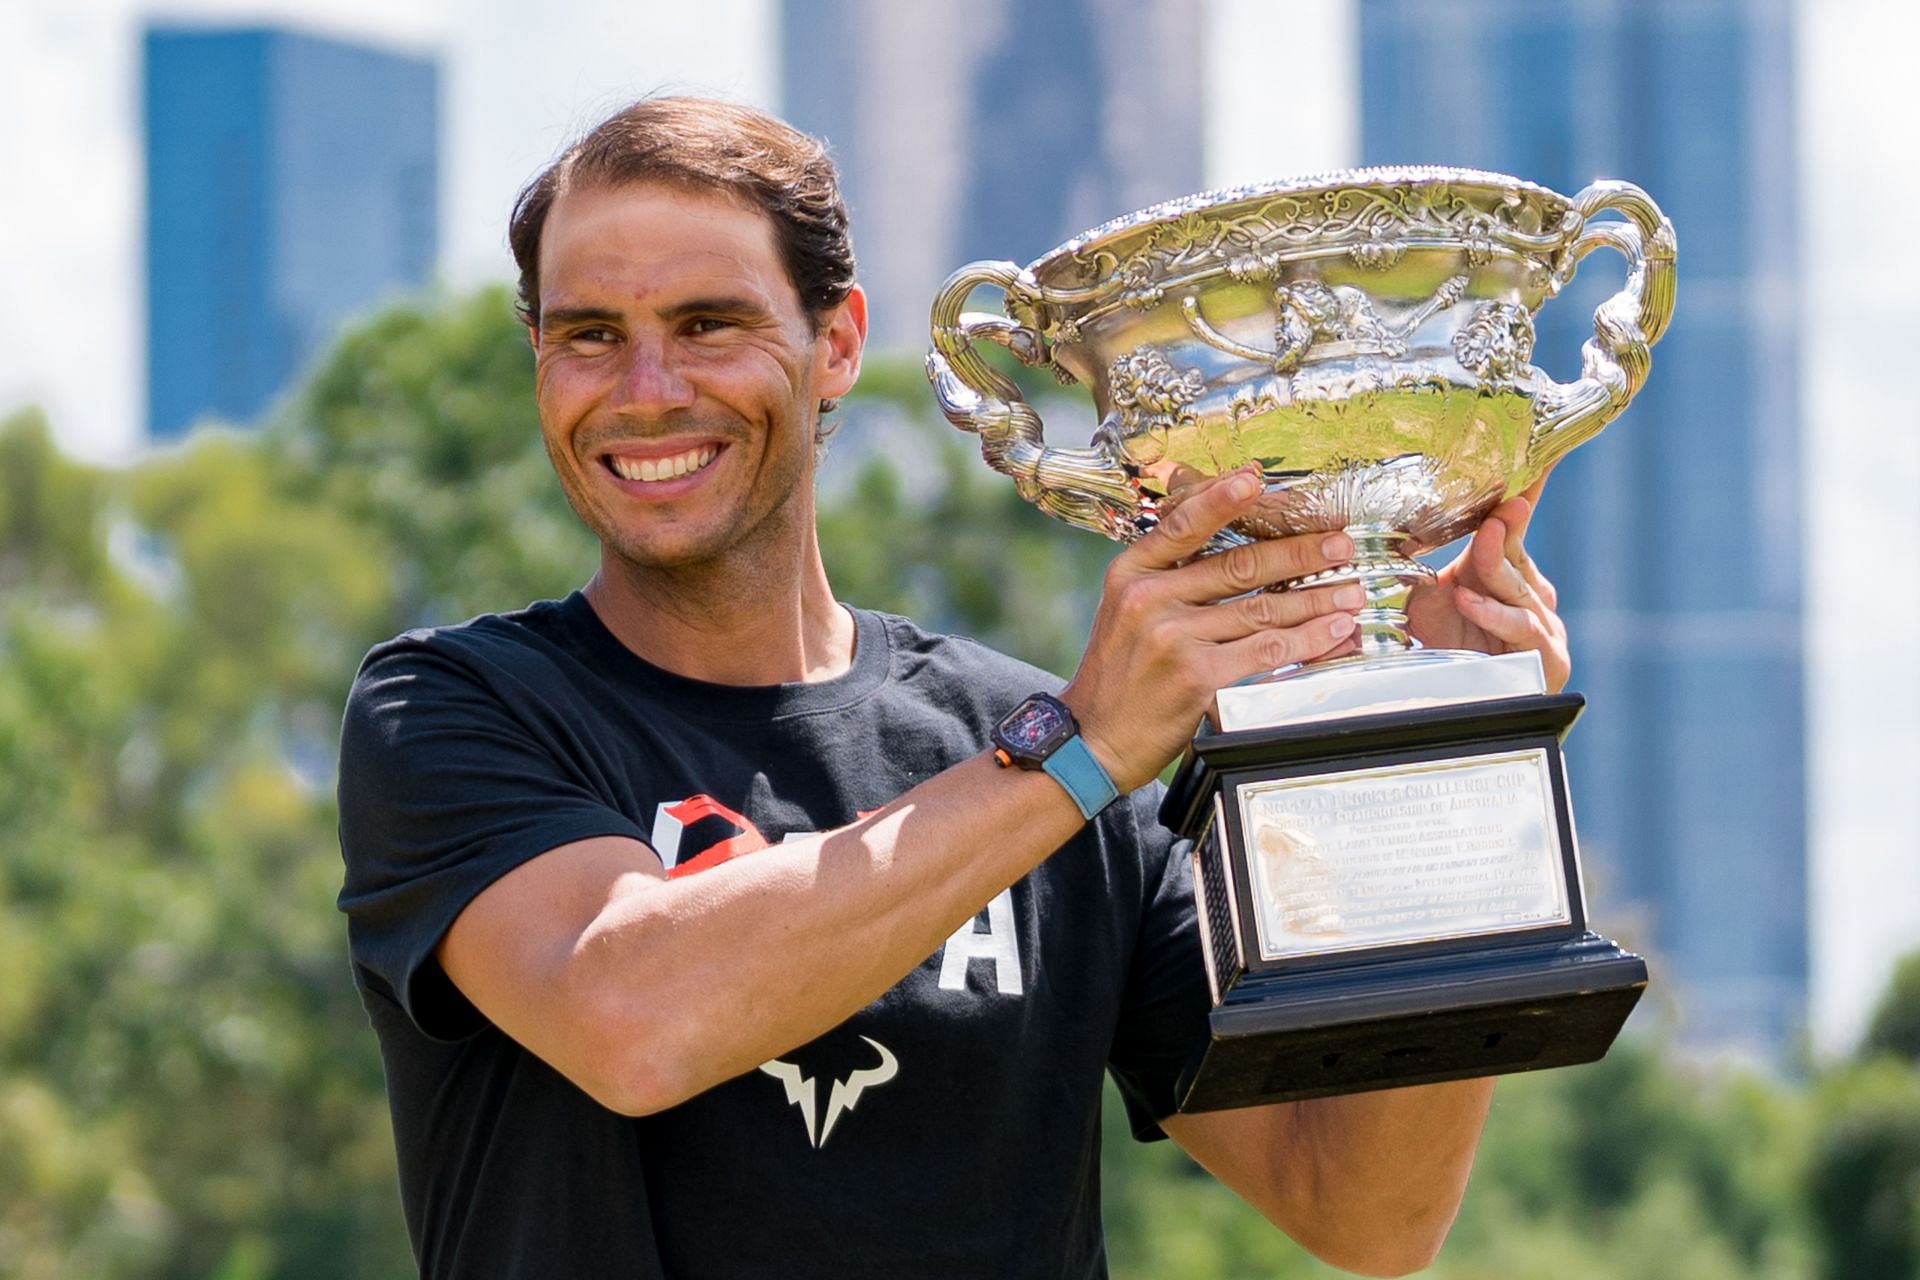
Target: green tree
(1895,1026)
(49,515)
(1661,1174)
(184,1075)
(1863,1176)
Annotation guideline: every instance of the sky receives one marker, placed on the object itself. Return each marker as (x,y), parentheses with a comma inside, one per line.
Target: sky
(1860,455)
(521,79)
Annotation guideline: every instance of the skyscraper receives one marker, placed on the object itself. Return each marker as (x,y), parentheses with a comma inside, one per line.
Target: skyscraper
(291,182)
(991,130)
(1675,537)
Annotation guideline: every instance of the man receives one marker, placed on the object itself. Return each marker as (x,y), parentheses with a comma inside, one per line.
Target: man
(704,932)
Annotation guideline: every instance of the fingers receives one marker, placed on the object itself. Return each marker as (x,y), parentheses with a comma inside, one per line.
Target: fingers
(1498,563)
(1516,548)
(1273,629)
(1493,573)
(1261,564)
(1175,626)
(1204,509)
(1270,610)
(1270,650)
(1504,593)
(1516,626)
(1515,514)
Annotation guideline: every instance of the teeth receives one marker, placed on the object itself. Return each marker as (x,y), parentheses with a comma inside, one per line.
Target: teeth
(662,468)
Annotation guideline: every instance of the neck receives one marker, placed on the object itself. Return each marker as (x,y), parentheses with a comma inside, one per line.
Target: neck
(738,622)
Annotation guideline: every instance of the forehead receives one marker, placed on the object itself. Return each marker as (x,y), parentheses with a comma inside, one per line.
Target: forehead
(637,239)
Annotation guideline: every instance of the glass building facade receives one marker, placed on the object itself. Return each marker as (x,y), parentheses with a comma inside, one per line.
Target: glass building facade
(990,130)
(1675,536)
(292,182)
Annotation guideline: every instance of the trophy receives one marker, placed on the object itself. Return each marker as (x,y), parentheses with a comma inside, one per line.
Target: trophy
(1385,872)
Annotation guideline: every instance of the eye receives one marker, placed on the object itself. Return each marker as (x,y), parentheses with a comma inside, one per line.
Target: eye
(594,337)
(709,324)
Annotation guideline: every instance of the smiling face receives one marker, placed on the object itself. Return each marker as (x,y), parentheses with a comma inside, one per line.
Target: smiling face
(678,375)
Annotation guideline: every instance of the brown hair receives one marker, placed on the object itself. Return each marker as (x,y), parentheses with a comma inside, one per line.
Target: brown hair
(719,146)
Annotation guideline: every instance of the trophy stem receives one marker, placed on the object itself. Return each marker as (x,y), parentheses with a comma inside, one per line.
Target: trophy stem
(1388,577)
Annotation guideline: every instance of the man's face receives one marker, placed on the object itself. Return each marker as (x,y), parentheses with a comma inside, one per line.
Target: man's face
(677,373)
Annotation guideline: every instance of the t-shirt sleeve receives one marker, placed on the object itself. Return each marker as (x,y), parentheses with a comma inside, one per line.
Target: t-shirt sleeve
(444,788)
(1163,1015)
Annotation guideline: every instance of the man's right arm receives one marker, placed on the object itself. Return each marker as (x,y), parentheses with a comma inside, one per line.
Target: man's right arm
(645,991)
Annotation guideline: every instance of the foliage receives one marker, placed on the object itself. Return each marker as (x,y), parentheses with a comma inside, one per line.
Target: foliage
(187,1084)
(1664,1175)
(1864,1177)
(1895,1025)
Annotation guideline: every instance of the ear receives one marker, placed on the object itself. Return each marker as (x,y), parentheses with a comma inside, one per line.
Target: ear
(837,349)
(533,338)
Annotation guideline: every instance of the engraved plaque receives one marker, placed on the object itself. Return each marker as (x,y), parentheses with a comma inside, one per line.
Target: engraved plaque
(1407,853)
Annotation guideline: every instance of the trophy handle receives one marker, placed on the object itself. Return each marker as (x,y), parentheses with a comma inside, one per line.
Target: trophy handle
(1087,487)
(1613,364)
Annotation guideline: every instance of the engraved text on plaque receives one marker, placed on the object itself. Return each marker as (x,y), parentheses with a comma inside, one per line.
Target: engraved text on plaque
(1408,853)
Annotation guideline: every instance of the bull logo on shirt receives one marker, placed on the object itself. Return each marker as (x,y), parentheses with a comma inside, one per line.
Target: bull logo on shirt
(803,1090)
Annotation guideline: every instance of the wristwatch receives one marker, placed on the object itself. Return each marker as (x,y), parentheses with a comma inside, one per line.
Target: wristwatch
(1041,733)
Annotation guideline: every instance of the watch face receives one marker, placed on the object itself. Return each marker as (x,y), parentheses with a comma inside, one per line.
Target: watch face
(1033,731)
(1032,726)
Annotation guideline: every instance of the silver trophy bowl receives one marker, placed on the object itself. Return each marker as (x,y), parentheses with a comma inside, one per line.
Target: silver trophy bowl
(1364,337)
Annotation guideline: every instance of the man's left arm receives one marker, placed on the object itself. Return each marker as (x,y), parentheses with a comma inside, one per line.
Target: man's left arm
(1368,1181)
(1371,1181)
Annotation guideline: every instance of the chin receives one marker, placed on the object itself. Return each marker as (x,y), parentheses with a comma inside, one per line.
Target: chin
(652,544)
(703,537)
(662,553)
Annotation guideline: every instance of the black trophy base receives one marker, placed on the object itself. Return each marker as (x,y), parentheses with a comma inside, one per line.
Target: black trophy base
(1441,1006)
(1287,1037)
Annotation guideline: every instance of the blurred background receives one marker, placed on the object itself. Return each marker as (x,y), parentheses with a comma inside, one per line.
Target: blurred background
(262,404)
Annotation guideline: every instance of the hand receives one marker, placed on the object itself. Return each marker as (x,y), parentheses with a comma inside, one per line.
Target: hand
(1173,626)
(1494,598)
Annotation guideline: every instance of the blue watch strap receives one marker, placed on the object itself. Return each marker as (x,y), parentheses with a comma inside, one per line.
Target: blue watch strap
(1073,767)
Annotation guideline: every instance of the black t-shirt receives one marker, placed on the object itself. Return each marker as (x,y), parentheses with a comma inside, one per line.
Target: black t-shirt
(949,1129)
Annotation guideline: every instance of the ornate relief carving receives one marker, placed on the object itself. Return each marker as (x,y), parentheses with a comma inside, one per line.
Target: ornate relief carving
(1379,252)
(1377,220)
(1336,321)
(1496,344)
(1151,397)
(1391,494)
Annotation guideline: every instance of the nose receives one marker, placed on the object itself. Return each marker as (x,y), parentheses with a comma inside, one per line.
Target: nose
(650,382)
